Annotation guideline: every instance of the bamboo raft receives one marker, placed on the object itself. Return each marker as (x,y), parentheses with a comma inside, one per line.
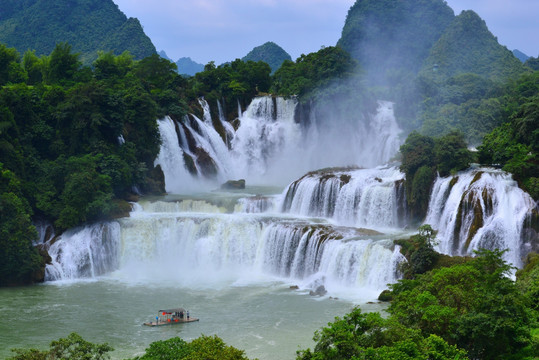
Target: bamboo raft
(171,317)
(176,321)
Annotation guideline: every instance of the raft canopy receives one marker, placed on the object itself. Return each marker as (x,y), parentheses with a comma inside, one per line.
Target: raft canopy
(171,311)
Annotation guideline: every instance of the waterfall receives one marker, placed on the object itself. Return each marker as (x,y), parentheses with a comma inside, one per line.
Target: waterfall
(480,208)
(271,147)
(171,159)
(365,140)
(172,241)
(255,204)
(84,252)
(265,144)
(333,227)
(364,197)
(229,129)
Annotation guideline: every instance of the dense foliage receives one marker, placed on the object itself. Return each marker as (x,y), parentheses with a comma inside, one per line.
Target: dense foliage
(204,347)
(423,157)
(88,25)
(467,46)
(79,139)
(463,78)
(474,305)
(391,39)
(313,71)
(444,72)
(20,260)
(270,53)
(73,139)
(74,347)
(469,310)
(238,80)
(514,144)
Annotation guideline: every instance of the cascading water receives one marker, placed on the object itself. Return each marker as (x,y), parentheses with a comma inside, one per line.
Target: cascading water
(271,147)
(195,243)
(481,208)
(364,197)
(84,252)
(365,140)
(171,159)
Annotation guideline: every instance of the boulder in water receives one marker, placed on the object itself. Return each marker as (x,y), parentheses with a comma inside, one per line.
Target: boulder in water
(234,185)
(320,291)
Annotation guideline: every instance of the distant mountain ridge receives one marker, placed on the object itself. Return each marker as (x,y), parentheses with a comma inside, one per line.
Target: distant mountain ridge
(186,66)
(87,25)
(270,53)
(520,55)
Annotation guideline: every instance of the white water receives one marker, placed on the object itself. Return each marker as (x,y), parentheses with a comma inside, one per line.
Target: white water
(361,198)
(492,200)
(271,148)
(364,140)
(196,244)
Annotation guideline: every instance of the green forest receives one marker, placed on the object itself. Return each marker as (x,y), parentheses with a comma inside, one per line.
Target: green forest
(88,26)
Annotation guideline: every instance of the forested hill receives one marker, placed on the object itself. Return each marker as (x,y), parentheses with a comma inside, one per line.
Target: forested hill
(87,25)
(270,53)
(467,46)
(387,36)
(436,67)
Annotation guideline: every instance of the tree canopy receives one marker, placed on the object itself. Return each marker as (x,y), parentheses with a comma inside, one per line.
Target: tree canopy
(89,26)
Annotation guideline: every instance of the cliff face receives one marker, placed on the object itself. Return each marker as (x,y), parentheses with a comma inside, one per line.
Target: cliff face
(87,25)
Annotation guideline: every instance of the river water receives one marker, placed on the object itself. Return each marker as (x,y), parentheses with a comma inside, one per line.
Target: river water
(265,318)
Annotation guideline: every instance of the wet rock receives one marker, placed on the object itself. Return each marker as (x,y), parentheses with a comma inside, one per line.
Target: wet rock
(320,291)
(294,287)
(233,185)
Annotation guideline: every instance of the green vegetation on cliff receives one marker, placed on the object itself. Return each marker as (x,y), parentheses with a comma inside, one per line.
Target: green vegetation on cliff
(442,71)
(422,158)
(462,78)
(88,25)
(391,39)
(74,141)
(312,72)
(467,46)
(270,53)
(514,145)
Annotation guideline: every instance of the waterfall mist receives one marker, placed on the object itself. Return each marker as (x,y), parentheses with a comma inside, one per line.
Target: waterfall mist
(270,146)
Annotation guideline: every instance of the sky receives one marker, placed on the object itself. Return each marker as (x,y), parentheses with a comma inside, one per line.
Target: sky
(223,30)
